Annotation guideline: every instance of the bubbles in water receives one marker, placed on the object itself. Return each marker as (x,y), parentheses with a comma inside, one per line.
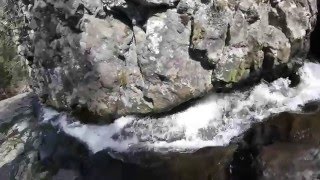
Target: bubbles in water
(213,121)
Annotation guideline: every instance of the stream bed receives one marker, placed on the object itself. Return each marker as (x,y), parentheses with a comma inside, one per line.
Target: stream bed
(268,132)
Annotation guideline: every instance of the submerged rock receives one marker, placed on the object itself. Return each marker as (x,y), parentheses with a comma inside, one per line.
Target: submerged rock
(290,161)
(285,146)
(114,58)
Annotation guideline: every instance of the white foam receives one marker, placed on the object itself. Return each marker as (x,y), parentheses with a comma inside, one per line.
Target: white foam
(48,114)
(214,121)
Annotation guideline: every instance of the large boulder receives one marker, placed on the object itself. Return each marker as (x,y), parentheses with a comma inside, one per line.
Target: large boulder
(114,58)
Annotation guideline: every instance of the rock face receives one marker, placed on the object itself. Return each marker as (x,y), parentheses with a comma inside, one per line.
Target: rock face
(285,146)
(125,57)
(19,139)
(13,70)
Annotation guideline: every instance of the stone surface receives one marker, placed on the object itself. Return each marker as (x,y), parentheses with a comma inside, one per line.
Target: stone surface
(285,146)
(296,156)
(114,58)
(290,161)
(19,137)
(13,68)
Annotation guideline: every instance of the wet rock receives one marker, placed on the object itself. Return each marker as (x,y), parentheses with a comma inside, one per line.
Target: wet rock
(211,163)
(59,151)
(65,175)
(74,161)
(114,58)
(285,146)
(290,161)
(30,149)
(33,150)
(18,145)
(5,172)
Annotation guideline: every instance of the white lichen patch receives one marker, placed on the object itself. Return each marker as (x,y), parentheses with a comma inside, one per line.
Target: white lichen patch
(13,146)
(21,126)
(154,27)
(9,150)
(152,58)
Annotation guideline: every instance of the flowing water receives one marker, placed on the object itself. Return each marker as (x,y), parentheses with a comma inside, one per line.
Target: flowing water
(213,121)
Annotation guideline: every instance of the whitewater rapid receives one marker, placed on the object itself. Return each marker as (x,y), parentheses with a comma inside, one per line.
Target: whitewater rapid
(213,121)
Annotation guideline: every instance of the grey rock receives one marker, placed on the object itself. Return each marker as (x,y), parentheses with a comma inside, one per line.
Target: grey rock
(166,64)
(65,175)
(210,28)
(17,153)
(157,2)
(114,57)
(32,149)
(290,161)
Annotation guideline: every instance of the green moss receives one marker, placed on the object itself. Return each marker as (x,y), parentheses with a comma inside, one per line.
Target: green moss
(198,33)
(235,75)
(123,78)
(220,5)
(232,76)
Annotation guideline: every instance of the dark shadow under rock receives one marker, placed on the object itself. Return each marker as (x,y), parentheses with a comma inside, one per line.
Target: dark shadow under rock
(207,163)
(5,172)
(315,39)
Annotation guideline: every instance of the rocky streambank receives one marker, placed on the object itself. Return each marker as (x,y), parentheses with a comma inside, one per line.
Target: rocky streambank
(106,59)
(284,146)
(100,60)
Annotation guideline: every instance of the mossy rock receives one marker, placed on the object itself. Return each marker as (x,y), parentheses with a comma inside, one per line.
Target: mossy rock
(198,33)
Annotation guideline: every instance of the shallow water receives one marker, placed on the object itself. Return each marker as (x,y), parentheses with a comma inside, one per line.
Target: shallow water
(213,121)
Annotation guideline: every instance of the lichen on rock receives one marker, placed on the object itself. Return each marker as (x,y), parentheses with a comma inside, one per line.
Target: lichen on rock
(115,58)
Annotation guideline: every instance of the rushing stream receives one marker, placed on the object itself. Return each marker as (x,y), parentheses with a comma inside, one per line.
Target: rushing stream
(213,121)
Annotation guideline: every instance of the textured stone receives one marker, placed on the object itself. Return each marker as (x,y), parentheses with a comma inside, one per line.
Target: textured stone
(166,64)
(18,143)
(284,146)
(13,69)
(157,2)
(290,161)
(115,57)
